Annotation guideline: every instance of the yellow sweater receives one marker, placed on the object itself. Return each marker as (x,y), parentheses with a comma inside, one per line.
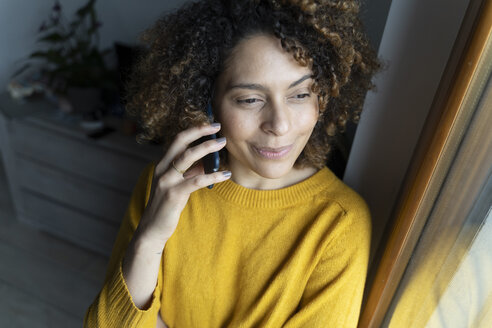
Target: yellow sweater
(292,257)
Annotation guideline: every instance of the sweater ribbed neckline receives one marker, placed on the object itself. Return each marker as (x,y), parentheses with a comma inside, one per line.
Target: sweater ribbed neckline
(275,198)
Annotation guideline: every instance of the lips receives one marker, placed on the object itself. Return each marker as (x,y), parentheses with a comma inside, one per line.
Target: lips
(273,153)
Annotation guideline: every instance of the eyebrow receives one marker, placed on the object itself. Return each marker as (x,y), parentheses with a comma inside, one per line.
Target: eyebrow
(255,86)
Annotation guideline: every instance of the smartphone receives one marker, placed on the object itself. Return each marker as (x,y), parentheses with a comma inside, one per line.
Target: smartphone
(210,161)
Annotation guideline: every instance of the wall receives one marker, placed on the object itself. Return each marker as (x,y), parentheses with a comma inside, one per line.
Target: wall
(374,14)
(416,44)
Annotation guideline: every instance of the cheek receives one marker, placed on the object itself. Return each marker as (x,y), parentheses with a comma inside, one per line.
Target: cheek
(237,127)
(307,120)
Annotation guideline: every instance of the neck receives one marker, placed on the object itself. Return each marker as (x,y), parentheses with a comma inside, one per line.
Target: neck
(253,180)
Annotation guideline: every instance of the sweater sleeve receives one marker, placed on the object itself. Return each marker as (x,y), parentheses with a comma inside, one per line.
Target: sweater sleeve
(113,306)
(333,294)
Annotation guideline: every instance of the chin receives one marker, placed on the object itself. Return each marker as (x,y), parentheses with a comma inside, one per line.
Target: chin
(273,170)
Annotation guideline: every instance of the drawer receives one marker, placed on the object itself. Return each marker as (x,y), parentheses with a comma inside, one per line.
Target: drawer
(84,158)
(68,223)
(73,191)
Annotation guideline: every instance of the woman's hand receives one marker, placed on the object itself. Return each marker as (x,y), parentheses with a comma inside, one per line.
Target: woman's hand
(169,193)
(171,189)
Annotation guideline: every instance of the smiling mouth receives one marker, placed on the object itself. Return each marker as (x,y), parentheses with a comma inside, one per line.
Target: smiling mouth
(273,153)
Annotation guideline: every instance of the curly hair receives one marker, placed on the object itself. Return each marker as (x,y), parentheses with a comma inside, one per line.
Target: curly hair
(185,51)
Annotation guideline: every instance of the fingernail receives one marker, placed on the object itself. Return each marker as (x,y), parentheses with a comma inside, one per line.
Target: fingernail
(221,140)
(227,174)
(215,125)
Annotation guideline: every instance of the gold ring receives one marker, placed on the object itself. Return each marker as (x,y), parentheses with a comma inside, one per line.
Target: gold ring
(177,170)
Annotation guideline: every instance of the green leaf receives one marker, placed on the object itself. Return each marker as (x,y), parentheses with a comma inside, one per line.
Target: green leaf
(84,10)
(53,38)
(39,54)
(93,16)
(92,30)
(54,56)
(20,70)
(82,47)
(75,24)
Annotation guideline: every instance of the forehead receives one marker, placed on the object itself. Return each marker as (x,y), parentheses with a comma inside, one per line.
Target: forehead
(261,59)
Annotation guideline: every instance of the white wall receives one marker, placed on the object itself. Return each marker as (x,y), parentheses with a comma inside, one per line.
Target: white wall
(122,21)
(416,44)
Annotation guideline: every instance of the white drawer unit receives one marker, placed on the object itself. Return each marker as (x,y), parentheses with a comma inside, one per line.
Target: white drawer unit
(64,182)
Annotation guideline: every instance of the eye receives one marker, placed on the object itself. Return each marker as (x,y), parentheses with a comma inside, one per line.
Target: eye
(247,101)
(302,95)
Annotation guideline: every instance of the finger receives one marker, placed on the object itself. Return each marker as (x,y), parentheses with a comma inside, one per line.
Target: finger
(186,137)
(193,154)
(201,181)
(196,169)
(182,141)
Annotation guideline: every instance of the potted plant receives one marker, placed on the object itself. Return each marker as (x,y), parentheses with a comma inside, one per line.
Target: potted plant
(73,68)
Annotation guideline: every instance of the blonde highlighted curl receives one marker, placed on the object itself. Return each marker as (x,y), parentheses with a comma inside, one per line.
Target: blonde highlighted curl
(172,83)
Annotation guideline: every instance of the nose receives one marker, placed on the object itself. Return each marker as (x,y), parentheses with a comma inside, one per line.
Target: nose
(277,119)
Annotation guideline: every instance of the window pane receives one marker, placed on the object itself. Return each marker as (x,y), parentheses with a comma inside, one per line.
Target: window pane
(456,242)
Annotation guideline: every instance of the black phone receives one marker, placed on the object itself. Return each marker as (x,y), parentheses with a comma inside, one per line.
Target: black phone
(210,161)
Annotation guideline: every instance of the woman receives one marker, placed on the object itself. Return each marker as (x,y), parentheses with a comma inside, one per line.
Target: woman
(279,241)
